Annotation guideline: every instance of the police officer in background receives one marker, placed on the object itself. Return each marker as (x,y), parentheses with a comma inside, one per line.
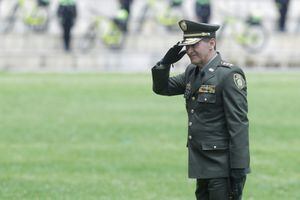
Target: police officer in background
(282,6)
(203,10)
(215,93)
(43,3)
(67,15)
(176,3)
(123,15)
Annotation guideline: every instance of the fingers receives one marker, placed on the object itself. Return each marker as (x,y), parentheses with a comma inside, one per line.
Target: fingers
(177,46)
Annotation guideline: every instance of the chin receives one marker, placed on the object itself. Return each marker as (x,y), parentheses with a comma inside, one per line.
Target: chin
(194,61)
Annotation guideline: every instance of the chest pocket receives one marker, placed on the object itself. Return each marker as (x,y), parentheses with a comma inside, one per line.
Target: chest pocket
(208,98)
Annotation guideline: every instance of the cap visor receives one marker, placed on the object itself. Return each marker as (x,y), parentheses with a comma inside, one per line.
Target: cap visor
(189,41)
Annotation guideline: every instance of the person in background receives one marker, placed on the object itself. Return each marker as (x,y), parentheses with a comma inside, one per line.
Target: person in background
(176,3)
(43,3)
(203,10)
(282,6)
(123,14)
(67,13)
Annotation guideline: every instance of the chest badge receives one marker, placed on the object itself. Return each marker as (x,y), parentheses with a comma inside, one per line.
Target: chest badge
(207,89)
(188,88)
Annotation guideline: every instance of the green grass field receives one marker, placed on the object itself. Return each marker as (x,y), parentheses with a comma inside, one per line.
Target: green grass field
(108,137)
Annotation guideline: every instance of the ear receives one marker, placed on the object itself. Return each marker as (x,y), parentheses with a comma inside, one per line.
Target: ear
(212,43)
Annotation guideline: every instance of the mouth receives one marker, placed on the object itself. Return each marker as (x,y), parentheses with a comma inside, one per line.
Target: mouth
(192,55)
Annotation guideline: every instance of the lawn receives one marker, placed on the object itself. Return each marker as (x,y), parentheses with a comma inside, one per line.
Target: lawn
(109,137)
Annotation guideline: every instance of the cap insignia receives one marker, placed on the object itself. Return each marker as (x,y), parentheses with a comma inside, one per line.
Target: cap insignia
(183,26)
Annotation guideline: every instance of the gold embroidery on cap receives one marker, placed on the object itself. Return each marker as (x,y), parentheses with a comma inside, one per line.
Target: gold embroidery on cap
(196,35)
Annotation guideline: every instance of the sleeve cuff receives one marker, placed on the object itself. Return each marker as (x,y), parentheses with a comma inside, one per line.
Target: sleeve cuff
(238,173)
(161,66)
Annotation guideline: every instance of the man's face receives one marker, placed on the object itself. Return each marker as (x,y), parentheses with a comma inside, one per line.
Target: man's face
(199,53)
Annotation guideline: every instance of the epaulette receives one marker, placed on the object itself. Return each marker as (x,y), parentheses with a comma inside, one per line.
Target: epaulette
(226,64)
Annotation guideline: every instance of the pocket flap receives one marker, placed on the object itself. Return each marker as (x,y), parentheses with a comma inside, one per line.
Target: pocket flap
(206,98)
(218,145)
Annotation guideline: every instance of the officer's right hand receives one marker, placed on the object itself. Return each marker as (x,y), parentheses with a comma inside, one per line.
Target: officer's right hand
(237,185)
(173,55)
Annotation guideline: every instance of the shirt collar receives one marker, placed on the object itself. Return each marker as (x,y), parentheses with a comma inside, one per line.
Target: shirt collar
(209,62)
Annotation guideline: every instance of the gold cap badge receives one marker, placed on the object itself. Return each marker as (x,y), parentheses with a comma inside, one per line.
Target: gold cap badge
(183,26)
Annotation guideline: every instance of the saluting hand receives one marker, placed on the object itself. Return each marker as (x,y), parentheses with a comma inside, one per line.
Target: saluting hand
(173,55)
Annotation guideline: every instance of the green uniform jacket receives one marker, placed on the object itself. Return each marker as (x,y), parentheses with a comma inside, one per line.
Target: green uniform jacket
(216,103)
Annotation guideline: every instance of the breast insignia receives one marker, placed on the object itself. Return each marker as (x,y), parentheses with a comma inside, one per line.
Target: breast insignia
(188,86)
(187,92)
(211,70)
(207,89)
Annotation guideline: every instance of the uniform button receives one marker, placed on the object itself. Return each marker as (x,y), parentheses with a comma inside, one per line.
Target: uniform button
(193,98)
(215,147)
(205,99)
(192,111)
(190,123)
(190,137)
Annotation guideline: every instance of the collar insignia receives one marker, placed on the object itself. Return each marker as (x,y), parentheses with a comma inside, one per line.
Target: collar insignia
(211,70)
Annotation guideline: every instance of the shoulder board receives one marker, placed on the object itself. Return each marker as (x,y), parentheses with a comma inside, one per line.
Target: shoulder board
(226,64)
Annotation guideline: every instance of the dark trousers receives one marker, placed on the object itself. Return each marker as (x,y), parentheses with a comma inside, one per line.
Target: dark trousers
(67,36)
(212,189)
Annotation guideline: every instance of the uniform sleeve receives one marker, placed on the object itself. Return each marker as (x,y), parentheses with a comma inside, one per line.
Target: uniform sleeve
(163,84)
(236,109)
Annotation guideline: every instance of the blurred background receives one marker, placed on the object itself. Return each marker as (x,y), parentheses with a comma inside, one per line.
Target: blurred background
(127,35)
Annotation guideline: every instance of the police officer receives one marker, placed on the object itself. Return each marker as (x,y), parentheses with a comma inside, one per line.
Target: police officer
(282,6)
(43,3)
(176,3)
(67,14)
(216,102)
(203,10)
(123,15)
